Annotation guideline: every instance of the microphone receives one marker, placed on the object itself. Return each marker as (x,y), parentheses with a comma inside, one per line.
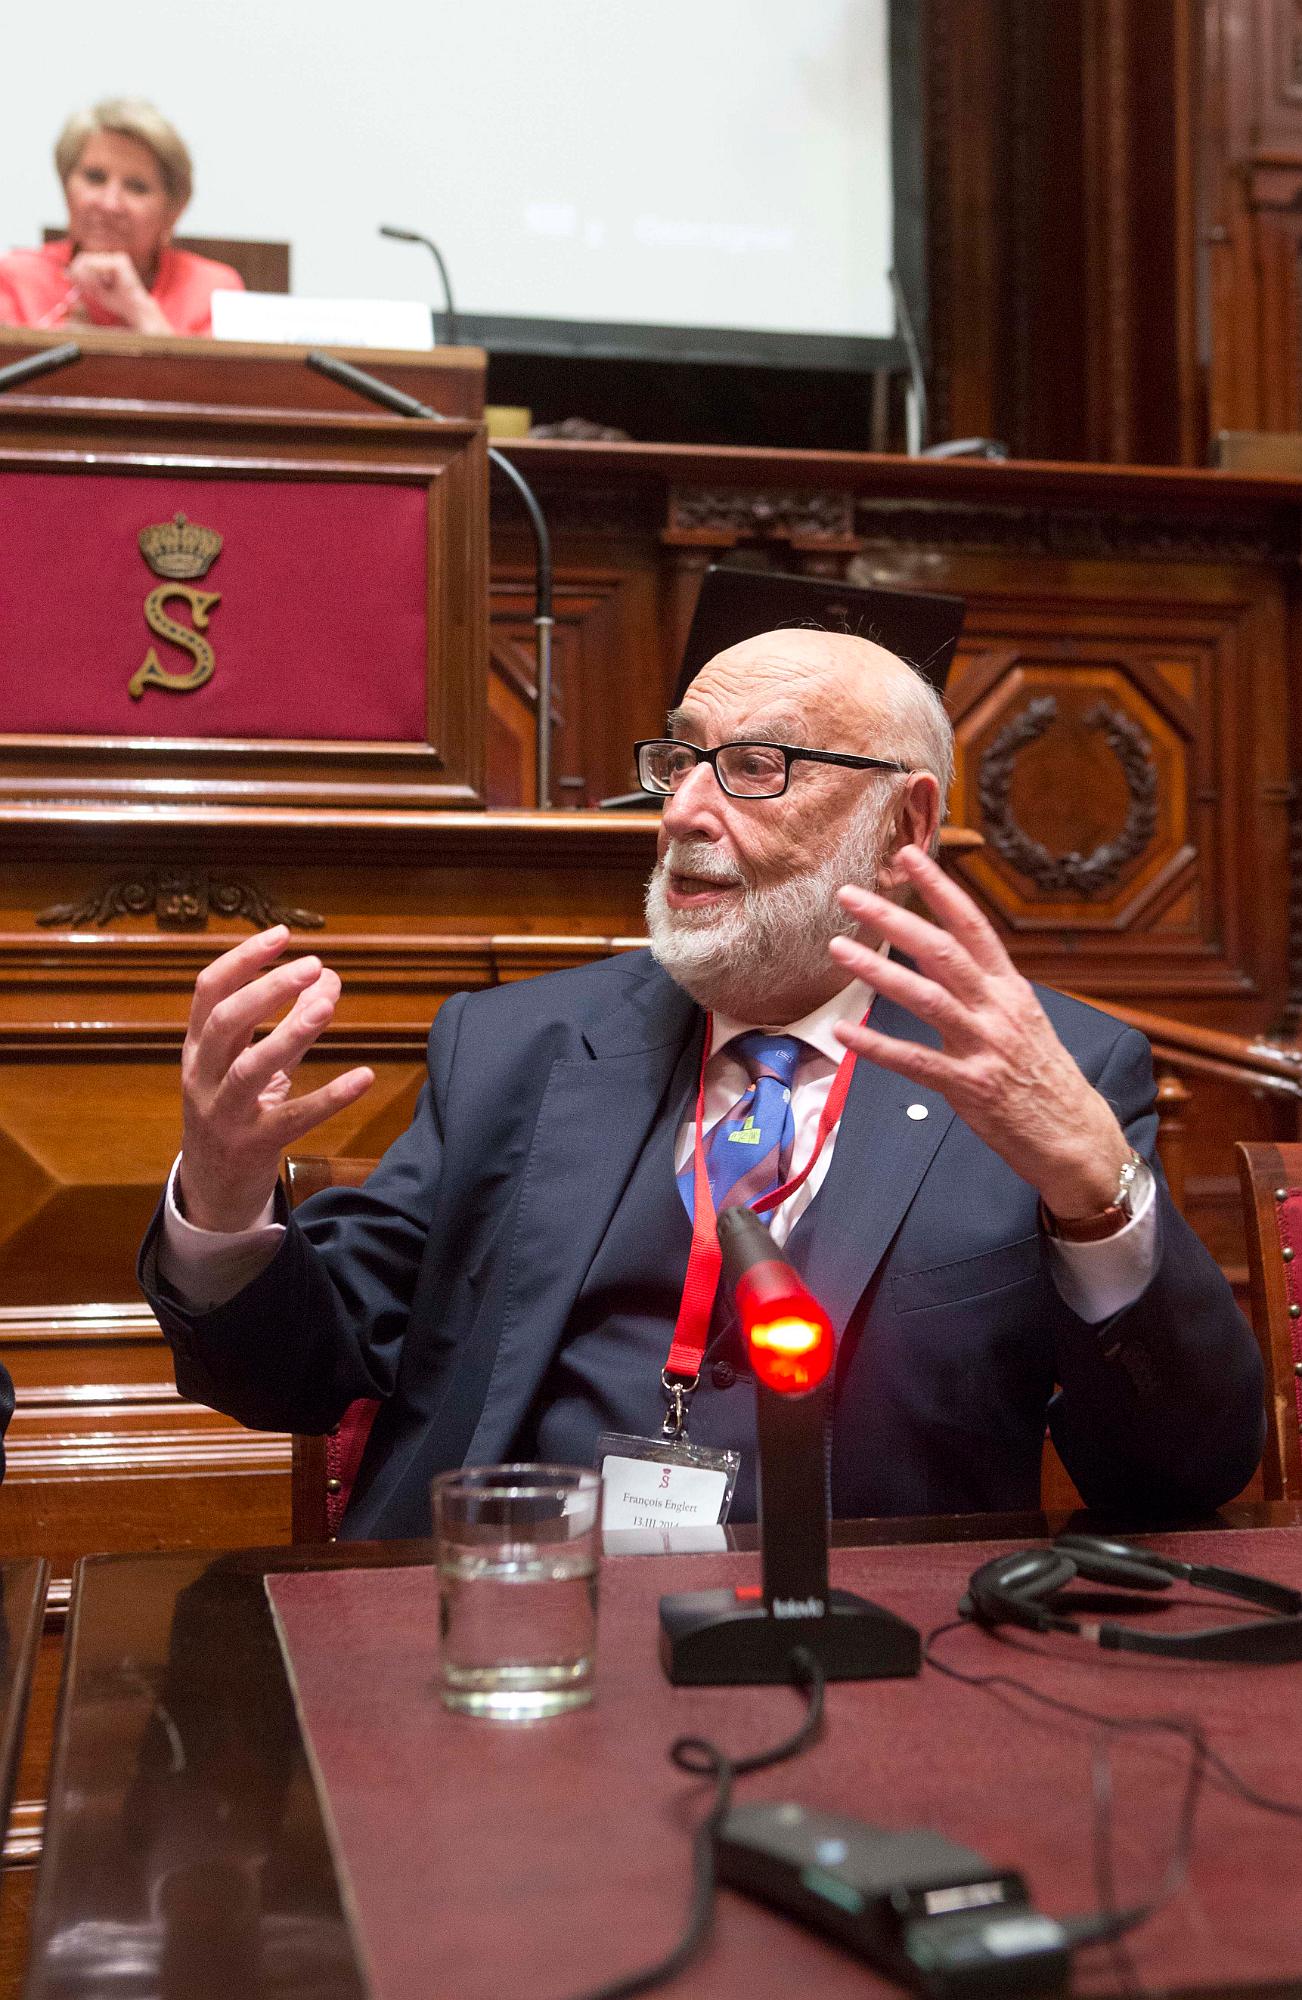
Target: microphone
(389,398)
(915,405)
(39,364)
(450,337)
(743,1636)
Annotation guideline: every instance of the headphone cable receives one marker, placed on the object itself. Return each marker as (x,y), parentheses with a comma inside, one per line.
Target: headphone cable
(706,1760)
(1109,1925)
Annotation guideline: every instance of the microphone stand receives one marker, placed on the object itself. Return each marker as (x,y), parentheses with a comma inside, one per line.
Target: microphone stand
(744,1636)
(915,403)
(38,364)
(450,337)
(915,400)
(543,622)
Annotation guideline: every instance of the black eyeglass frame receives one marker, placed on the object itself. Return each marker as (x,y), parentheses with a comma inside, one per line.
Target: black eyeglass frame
(789,753)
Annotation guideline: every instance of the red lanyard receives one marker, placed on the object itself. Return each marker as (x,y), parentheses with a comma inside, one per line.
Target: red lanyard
(692,1330)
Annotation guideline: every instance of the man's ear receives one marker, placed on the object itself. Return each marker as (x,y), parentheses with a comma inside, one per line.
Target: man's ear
(915,822)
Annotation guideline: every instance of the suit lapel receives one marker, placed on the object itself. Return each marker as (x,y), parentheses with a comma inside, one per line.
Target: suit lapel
(593,1123)
(877,1166)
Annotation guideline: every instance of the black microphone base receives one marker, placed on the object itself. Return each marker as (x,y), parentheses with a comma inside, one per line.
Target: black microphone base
(710,1639)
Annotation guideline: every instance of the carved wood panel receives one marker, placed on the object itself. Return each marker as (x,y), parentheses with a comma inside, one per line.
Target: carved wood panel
(1252,194)
(1131,792)
(85,1145)
(605,617)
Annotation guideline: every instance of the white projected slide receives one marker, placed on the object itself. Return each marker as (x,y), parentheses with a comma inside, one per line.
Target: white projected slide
(679,163)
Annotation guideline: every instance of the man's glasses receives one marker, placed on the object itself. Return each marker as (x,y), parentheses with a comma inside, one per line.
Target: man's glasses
(744,770)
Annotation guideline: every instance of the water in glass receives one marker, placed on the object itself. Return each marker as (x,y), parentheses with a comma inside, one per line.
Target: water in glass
(519,1629)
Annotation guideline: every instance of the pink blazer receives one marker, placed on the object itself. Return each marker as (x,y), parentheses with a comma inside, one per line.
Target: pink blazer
(34,288)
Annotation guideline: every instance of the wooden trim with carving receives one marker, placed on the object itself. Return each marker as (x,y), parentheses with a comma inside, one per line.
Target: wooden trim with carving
(178,900)
(1082,875)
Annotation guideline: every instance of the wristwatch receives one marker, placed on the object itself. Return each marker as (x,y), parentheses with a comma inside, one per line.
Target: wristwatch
(1094,1228)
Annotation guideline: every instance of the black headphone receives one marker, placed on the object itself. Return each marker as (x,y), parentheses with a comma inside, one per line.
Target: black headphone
(1024,1589)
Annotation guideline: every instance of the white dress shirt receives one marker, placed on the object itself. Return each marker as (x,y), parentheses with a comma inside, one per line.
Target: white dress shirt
(205,1268)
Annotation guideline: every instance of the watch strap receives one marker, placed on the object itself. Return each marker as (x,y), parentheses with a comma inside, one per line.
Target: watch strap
(1097,1228)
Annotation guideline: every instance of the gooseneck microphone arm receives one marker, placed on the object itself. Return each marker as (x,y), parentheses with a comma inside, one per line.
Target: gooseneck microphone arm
(449,310)
(39,364)
(543,622)
(915,415)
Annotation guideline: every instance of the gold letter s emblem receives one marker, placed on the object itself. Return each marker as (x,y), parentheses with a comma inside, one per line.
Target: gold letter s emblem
(151,672)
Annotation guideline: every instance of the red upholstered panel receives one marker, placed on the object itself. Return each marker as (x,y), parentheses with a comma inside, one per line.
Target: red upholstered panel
(544,1859)
(1289,1212)
(344,1457)
(320,632)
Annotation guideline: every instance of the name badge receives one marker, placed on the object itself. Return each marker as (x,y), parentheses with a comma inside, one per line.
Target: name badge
(655,1483)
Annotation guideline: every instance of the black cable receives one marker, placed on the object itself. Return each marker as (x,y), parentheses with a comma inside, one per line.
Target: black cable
(705,1760)
(1109,1924)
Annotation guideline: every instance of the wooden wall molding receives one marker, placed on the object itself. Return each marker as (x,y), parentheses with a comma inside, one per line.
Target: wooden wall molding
(1103,534)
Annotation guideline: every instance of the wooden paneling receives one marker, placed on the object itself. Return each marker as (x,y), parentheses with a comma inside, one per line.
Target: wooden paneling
(1115,223)
(1062,145)
(1252,173)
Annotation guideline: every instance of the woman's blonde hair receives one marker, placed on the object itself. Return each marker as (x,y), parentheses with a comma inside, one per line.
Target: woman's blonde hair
(131,118)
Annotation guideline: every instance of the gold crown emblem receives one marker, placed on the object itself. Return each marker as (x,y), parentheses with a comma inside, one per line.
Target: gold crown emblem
(180,547)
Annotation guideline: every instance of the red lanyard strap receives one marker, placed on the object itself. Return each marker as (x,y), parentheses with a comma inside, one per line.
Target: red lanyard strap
(692,1330)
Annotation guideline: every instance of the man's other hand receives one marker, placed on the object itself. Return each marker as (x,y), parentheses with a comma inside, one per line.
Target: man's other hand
(1000,1063)
(238,1115)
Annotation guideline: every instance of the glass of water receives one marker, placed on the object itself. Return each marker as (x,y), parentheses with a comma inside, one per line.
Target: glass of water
(517,1565)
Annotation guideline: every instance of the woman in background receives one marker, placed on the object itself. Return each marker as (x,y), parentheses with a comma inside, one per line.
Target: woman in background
(126,176)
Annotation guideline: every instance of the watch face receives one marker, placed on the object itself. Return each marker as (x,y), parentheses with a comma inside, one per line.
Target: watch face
(1126,1187)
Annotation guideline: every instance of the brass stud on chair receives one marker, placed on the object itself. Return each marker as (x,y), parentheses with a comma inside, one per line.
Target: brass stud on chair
(1295,1311)
(334,1486)
(1280,1193)
(1287,1254)
(1297,1367)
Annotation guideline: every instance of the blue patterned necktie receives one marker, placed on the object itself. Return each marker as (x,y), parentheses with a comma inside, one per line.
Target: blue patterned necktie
(748,1153)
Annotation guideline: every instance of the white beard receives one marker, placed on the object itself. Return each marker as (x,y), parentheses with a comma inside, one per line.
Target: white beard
(771,941)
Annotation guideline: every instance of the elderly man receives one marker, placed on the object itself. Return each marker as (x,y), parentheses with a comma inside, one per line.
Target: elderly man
(961,1167)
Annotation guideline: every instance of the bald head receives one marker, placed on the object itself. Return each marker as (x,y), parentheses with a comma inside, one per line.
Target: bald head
(823,690)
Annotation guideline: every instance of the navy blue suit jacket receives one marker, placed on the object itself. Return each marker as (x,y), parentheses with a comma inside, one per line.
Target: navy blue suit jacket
(444,1285)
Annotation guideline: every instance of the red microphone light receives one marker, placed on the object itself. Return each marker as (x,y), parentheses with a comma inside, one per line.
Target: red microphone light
(788,1335)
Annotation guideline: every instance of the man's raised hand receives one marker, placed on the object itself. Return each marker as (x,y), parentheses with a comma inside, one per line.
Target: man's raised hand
(238,1115)
(1000,1063)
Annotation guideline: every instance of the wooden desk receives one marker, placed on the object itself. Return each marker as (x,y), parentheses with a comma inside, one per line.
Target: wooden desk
(178,1744)
(171,368)
(22,1601)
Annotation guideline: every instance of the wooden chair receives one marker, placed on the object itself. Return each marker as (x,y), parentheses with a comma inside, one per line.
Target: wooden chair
(324,1468)
(1271,1180)
(264,266)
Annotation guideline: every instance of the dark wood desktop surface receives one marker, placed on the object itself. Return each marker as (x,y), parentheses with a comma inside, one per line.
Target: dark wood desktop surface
(22,1602)
(180,1792)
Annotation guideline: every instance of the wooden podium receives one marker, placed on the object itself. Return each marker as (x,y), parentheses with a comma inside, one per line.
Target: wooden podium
(159,368)
(240,606)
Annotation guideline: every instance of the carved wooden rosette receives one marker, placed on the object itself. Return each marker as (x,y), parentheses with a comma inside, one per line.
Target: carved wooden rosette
(1068,874)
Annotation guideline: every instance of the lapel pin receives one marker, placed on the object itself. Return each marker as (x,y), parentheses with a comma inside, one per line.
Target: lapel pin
(916,1111)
